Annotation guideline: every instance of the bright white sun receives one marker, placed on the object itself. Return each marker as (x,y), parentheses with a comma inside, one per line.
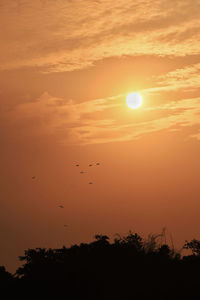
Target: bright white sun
(134,100)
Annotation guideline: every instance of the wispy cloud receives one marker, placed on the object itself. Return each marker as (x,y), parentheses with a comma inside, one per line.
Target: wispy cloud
(68,35)
(61,35)
(89,122)
(174,116)
(186,78)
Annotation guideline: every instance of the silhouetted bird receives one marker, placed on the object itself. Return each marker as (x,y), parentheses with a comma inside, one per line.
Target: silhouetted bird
(65,225)
(77,165)
(97,164)
(90,165)
(33,177)
(82,172)
(90,183)
(61,206)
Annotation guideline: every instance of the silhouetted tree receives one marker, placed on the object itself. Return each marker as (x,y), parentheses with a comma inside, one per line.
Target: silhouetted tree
(193,245)
(4,275)
(130,267)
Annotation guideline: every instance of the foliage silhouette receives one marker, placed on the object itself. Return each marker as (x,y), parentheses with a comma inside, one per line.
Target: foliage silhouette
(193,245)
(4,275)
(129,267)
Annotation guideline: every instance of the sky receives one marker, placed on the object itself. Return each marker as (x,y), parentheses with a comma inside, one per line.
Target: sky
(66,67)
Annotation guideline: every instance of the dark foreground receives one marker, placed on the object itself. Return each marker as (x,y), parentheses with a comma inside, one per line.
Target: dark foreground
(128,268)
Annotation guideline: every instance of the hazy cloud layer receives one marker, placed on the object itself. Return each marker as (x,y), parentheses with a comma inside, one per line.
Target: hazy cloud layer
(62,35)
(85,123)
(67,35)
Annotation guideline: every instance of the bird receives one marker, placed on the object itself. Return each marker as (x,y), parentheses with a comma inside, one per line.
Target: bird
(77,165)
(97,164)
(61,206)
(90,165)
(65,225)
(82,172)
(90,183)
(33,177)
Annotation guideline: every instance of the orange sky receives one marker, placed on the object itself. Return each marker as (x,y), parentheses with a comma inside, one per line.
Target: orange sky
(65,70)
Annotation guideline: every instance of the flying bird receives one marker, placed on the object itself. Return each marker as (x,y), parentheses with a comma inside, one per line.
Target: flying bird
(61,206)
(82,172)
(77,165)
(97,164)
(65,225)
(90,165)
(90,183)
(33,177)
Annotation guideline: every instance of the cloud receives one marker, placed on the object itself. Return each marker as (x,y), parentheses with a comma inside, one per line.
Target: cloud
(65,35)
(58,36)
(99,120)
(174,116)
(186,78)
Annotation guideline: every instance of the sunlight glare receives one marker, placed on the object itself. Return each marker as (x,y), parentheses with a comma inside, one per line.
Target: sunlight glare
(134,100)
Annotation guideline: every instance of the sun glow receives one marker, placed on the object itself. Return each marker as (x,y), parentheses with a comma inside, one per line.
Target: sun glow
(134,100)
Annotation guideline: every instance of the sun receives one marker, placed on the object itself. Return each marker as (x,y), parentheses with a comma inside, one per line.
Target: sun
(134,100)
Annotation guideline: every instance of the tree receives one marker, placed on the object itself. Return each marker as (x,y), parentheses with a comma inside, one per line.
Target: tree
(4,275)
(193,245)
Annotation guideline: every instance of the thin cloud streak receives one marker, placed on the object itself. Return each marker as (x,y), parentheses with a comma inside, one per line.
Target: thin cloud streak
(183,114)
(187,78)
(78,124)
(61,35)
